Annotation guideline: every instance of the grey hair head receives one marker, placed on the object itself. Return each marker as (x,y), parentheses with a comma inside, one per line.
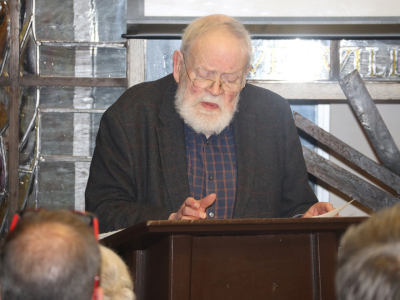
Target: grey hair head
(373,273)
(204,25)
(381,228)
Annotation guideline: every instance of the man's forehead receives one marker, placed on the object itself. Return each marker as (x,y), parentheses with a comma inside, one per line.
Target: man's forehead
(218,49)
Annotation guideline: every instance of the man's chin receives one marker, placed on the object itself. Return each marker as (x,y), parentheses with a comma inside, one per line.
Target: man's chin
(209,112)
(208,124)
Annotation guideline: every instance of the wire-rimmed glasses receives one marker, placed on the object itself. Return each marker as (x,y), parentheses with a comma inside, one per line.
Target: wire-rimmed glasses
(230,87)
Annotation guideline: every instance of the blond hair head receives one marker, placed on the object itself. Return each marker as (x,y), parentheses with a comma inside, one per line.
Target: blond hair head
(116,281)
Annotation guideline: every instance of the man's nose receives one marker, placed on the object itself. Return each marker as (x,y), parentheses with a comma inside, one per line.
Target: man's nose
(216,88)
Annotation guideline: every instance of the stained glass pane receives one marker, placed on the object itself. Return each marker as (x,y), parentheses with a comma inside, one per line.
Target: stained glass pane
(4,100)
(4,131)
(111,19)
(28,56)
(26,8)
(94,131)
(26,182)
(4,144)
(4,37)
(374,60)
(159,57)
(6,69)
(69,133)
(292,60)
(3,215)
(3,164)
(93,62)
(57,132)
(79,97)
(27,153)
(31,199)
(54,20)
(56,188)
(83,20)
(27,109)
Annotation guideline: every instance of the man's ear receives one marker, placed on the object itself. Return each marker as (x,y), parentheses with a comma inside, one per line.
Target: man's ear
(177,61)
(248,70)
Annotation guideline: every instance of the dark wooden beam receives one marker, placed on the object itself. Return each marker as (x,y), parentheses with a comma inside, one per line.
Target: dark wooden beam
(5,81)
(346,182)
(13,158)
(370,118)
(376,170)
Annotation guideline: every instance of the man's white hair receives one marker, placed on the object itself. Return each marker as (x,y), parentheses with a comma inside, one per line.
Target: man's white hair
(207,24)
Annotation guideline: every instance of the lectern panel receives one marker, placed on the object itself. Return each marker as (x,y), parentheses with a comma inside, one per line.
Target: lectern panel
(235,259)
(253,267)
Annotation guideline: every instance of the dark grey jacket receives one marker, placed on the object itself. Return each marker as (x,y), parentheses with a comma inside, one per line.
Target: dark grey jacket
(139,169)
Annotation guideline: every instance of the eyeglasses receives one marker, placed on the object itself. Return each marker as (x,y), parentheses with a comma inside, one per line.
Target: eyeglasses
(230,87)
(87,218)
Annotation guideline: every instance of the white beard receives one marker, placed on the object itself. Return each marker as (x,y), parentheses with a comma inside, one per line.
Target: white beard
(198,118)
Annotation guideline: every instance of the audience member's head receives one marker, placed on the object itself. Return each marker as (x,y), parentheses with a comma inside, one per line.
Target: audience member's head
(369,259)
(115,279)
(372,274)
(49,255)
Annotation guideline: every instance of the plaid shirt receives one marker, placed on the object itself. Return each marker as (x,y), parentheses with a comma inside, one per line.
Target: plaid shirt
(212,169)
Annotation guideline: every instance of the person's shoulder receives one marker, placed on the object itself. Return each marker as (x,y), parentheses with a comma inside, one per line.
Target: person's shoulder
(260,97)
(150,94)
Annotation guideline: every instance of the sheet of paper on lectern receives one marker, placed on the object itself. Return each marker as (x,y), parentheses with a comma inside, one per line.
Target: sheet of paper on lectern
(333,212)
(104,235)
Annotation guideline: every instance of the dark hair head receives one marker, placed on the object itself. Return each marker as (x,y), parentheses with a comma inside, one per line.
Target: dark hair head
(49,255)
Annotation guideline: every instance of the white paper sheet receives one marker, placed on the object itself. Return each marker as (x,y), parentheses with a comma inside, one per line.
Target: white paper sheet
(333,212)
(104,235)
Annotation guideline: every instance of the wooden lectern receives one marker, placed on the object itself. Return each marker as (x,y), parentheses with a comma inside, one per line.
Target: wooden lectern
(233,259)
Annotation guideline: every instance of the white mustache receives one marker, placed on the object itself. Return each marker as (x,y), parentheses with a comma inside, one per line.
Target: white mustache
(210,99)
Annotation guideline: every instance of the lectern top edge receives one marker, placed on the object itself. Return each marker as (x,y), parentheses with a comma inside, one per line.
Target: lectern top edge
(158,229)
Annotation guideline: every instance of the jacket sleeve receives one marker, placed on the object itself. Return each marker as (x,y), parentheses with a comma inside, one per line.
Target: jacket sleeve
(111,192)
(297,194)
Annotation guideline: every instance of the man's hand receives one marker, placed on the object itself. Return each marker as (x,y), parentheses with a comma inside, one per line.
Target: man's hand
(192,209)
(319,209)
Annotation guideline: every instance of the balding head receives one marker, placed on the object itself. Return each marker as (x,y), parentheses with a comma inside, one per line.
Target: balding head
(217,23)
(49,255)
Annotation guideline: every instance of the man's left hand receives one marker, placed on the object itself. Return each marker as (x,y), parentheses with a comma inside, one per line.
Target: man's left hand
(319,209)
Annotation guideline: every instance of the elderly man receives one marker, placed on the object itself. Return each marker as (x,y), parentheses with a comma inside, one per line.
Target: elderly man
(185,146)
(50,255)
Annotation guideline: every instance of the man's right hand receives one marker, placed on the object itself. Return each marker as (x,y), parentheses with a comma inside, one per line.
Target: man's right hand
(193,209)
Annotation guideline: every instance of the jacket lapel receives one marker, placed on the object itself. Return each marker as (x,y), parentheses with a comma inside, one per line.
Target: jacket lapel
(244,130)
(171,141)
